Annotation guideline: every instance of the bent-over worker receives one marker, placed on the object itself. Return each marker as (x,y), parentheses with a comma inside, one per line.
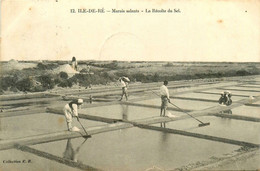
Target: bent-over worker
(165,97)
(71,110)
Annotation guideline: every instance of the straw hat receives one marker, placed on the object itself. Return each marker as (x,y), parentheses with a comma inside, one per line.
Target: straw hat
(80,101)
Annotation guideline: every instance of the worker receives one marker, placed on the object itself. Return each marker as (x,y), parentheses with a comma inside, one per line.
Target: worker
(221,99)
(225,98)
(71,110)
(165,97)
(74,63)
(228,98)
(124,88)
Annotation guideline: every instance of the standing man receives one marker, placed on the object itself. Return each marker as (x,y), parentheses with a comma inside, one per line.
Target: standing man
(165,97)
(74,63)
(124,88)
(71,110)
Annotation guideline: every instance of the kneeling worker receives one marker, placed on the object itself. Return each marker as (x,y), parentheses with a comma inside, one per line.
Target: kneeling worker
(165,97)
(71,110)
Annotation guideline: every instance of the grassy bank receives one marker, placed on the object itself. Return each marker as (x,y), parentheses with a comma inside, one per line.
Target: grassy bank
(39,76)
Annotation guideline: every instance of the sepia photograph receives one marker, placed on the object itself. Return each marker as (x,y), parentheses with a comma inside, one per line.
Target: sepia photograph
(129,85)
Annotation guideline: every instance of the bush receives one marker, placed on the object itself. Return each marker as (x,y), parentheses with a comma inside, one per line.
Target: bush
(25,84)
(242,72)
(140,77)
(65,83)
(14,89)
(156,77)
(7,82)
(47,81)
(42,66)
(39,88)
(169,64)
(73,80)
(63,75)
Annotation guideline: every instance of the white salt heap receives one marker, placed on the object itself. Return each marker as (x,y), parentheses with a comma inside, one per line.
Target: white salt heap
(65,68)
(13,64)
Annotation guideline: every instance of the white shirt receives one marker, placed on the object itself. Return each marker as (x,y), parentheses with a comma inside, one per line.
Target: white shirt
(123,84)
(75,109)
(164,91)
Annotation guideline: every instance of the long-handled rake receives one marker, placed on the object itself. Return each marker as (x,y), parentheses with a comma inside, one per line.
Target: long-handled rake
(201,123)
(87,135)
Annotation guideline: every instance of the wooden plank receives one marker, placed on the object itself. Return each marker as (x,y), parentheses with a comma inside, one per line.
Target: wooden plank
(238,117)
(55,136)
(52,157)
(197,135)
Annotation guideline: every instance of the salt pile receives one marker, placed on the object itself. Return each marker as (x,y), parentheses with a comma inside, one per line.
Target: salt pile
(15,65)
(66,68)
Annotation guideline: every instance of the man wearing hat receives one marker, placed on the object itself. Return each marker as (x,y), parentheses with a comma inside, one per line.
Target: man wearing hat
(165,97)
(71,110)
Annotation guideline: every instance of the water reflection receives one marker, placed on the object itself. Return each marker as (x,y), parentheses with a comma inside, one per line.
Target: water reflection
(164,134)
(226,112)
(163,125)
(70,153)
(226,120)
(124,111)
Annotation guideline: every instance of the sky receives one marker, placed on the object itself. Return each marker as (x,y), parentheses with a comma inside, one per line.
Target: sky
(209,30)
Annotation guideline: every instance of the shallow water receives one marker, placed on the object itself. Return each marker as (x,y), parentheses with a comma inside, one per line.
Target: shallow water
(138,149)
(250,111)
(35,124)
(221,127)
(133,148)
(127,112)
